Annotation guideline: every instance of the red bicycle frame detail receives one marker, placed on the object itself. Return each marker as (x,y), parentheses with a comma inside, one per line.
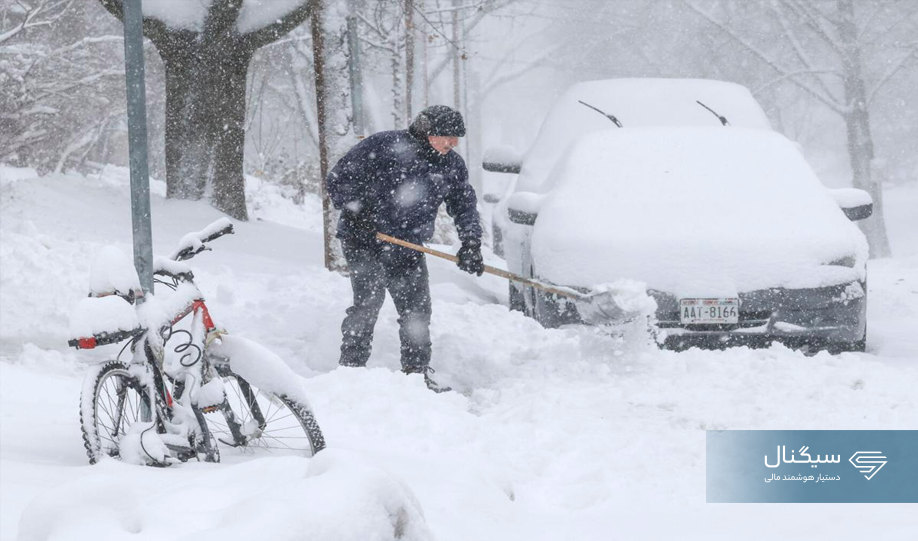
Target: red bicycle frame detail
(197,306)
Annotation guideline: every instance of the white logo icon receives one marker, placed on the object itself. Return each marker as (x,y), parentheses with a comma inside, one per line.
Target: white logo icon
(868,462)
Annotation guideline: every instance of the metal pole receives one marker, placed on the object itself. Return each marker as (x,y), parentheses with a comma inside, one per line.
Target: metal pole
(137,143)
(354,71)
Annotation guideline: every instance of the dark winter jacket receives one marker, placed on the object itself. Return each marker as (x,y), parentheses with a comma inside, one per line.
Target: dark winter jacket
(399,181)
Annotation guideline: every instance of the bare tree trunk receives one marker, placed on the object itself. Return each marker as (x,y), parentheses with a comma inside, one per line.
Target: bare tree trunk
(409,56)
(227,137)
(205,127)
(184,149)
(398,87)
(329,38)
(857,121)
(457,102)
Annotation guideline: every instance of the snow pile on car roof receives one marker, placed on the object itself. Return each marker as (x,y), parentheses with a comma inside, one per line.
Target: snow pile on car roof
(635,103)
(692,211)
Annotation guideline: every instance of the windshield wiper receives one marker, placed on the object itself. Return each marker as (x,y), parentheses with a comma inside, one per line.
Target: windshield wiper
(723,119)
(607,115)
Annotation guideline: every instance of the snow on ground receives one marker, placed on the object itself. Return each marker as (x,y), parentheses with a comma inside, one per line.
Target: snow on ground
(553,434)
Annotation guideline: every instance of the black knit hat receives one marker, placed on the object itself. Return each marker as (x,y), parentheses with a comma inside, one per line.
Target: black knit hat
(438,120)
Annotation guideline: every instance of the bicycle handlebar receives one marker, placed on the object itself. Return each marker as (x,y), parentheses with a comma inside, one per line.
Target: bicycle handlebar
(195,243)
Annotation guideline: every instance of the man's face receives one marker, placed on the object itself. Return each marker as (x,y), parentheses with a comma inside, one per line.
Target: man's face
(443,143)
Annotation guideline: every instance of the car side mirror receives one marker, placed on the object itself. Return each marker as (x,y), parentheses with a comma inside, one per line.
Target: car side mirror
(502,159)
(523,207)
(856,204)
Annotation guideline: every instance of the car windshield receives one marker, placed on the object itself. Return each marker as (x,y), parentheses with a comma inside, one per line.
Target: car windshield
(635,103)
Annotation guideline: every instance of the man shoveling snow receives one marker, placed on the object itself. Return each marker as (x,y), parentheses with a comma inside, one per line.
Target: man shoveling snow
(394,182)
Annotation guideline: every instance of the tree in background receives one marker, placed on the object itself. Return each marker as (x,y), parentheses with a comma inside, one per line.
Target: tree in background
(831,50)
(62,98)
(206,50)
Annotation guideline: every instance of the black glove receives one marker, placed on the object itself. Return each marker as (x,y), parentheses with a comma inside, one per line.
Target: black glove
(470,259)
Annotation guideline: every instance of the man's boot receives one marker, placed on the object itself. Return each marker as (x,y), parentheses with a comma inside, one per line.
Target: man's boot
(427,371)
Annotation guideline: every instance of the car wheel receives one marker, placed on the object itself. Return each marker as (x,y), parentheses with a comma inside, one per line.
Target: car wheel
(856,346)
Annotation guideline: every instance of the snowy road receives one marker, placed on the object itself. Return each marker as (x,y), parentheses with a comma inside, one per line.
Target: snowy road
(554,434)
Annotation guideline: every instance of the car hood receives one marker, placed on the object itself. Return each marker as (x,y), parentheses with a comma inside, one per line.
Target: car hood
(693,211)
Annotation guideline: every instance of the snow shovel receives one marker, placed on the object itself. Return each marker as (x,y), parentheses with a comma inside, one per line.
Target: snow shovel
(599,307)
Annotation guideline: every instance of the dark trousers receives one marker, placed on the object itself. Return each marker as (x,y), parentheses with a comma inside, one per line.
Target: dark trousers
(373,271)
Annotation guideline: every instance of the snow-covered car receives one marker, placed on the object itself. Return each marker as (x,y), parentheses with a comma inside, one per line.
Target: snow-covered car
(726,224)
(600,105)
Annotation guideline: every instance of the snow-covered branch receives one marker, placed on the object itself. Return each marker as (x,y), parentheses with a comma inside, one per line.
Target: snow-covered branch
(221,18)
(890,73)
(282,26)
(43,13)
(751,48)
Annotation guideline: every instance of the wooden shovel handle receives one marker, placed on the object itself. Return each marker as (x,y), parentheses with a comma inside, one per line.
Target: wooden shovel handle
(487,268)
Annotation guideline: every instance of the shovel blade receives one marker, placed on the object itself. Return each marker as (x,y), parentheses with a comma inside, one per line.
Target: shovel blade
(616,303)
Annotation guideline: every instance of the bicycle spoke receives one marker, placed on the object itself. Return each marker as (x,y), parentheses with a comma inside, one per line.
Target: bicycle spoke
(274,419)
(280,442)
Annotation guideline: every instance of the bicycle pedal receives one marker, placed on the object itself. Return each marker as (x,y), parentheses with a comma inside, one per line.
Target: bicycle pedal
(232,444)
(183,454)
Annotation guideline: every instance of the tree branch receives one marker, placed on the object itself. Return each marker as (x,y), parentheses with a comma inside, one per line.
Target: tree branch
(115,7)
(814,23)
(274,31)
(890,73)
(153,29)
(221,19)
(34,12)
(800,52)
(466,29)
(792,74)
(827,101)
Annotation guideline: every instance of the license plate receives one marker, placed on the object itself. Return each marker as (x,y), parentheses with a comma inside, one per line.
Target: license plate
(722,311)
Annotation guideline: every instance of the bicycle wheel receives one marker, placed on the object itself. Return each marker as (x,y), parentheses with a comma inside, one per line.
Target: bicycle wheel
(255,420)
(112,400)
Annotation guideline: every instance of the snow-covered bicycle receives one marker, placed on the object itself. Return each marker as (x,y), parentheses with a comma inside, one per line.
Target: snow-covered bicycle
(187,383)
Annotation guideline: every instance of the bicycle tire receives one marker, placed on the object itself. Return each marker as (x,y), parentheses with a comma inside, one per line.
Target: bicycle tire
(254,419)
(99,406)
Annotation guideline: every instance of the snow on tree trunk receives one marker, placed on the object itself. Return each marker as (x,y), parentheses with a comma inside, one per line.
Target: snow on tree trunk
(857,121)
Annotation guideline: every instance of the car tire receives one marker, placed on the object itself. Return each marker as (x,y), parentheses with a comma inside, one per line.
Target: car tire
(854,346)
